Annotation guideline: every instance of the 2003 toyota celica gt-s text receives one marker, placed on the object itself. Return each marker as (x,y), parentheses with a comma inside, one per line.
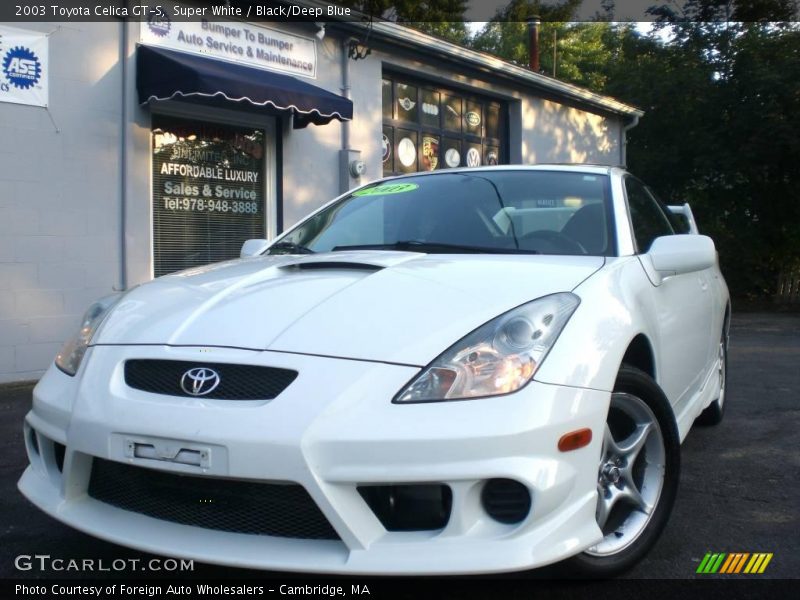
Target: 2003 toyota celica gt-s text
(464,371)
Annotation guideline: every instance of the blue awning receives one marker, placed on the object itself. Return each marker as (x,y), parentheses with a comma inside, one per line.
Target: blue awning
(166,74)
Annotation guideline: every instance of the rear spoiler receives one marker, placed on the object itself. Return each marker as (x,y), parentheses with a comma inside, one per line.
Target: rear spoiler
(686,211)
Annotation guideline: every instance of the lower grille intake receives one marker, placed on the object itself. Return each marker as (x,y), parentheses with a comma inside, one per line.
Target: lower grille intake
(409,507)
(281,510)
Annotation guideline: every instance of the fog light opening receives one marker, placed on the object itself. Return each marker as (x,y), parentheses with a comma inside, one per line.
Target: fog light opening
(506,500)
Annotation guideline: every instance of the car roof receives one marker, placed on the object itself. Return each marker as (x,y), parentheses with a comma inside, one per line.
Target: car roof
(565,167)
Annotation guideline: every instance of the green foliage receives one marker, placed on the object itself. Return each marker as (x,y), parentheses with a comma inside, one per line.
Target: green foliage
(411,11)
(582,50)
(722,104)
(440,18)
(452,31)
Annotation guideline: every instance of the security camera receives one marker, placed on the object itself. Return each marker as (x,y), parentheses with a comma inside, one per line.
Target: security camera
(320,31)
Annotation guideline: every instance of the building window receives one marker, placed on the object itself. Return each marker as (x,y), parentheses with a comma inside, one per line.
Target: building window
(426,127)
(208,191)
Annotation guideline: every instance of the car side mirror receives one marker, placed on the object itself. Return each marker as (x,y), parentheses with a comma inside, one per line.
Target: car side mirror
(682,253)
(253,248)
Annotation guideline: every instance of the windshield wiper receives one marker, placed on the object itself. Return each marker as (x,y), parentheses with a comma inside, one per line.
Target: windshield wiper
(434,247)
(291,248)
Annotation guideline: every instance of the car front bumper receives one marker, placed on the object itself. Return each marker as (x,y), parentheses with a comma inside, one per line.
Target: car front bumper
(333,429)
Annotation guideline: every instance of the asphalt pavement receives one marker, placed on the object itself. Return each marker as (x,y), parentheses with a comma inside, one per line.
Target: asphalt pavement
(739,487)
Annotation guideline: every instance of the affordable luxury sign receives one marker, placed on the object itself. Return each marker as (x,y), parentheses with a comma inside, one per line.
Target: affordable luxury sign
(23,67)
(244,43)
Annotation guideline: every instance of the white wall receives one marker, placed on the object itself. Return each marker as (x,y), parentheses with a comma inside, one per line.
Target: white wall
(59,197)
(311,155)
(553,132)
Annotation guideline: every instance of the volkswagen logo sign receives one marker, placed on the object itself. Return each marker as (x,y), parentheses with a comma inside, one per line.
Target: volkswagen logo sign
(200,381)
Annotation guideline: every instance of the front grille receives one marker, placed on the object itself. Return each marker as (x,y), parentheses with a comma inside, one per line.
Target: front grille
(236,382)
(282,510)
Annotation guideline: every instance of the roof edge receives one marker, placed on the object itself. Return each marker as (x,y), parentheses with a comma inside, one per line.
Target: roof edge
(408,35)
(389,30)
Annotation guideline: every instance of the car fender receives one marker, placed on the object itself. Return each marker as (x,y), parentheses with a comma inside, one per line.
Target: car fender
(613,311)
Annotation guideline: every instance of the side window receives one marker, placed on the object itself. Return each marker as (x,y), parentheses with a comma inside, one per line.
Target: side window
(679,223)
(647,218)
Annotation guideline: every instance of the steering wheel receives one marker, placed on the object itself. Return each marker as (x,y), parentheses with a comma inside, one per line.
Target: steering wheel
(555,242)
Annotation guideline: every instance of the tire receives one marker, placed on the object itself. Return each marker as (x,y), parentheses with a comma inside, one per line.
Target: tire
(715,411)
(635,495)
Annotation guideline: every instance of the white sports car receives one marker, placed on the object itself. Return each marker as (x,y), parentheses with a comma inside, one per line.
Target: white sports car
(465,371)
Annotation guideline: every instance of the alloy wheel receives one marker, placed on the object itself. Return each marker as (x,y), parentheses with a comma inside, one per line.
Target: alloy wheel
(630,475)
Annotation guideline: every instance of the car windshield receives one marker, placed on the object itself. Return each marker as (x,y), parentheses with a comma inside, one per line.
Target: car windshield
(500,211)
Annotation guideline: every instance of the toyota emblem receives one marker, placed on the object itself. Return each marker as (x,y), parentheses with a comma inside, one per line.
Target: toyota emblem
(200,381)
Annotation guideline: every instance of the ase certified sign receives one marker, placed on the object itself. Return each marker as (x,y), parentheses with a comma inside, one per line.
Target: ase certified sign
(23,67)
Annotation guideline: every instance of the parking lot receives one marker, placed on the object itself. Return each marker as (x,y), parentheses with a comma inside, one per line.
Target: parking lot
(739,489)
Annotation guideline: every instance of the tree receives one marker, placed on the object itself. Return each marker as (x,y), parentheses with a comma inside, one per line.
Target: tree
(571,51)
(441,18)
(722,102)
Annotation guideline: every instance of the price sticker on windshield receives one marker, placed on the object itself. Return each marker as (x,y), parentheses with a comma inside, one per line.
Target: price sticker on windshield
(387,188)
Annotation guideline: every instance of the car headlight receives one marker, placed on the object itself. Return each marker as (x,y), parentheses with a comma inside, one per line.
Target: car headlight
(499,357)
(71,355)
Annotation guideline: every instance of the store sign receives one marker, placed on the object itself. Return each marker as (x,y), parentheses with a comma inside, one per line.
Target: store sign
(208,191)
(243,43)
(24,67)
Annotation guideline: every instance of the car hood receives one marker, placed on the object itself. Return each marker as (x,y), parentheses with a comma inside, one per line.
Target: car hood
(398,307)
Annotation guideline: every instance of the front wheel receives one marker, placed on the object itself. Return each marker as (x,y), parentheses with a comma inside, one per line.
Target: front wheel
(637,476)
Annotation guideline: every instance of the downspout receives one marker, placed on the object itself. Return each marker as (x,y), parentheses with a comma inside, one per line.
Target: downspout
(345,152)
(346,90)
(351,167)
(624,152)
(122,277)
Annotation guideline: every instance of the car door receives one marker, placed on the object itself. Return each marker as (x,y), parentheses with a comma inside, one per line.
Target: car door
(681,304)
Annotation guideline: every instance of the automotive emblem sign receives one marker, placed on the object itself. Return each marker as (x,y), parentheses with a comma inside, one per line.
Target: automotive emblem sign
(452,157)
(407,152)
(406,103)
(473,118)
(430,153)
(386,148)
(473,157)
(200,381)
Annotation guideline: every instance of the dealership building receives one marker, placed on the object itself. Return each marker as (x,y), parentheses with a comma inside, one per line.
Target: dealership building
(134,149)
